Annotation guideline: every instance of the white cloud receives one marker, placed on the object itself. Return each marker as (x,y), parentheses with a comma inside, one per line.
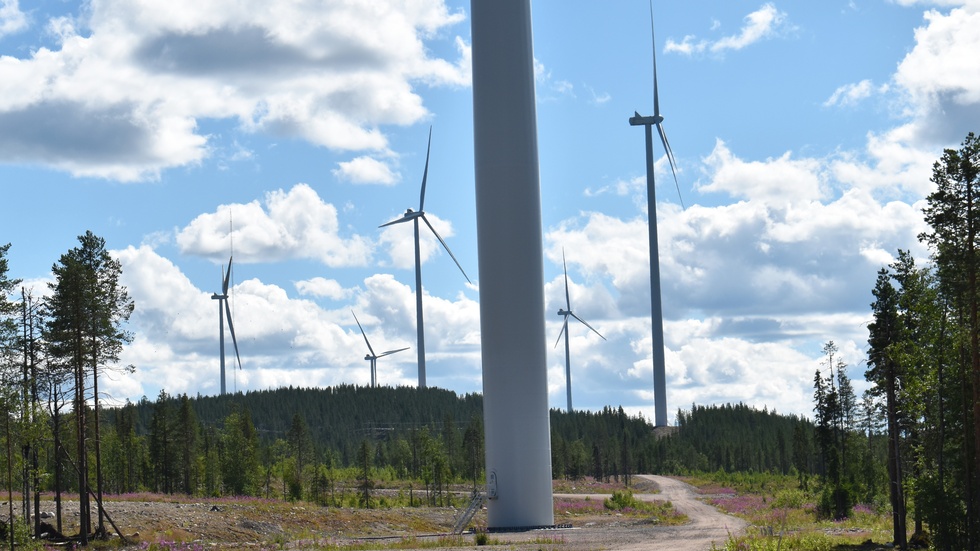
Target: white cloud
(597,97)
(941,76)
(366,170)
(851,94)
(750,289)
(775,181)
(764,23)
(324,288)
(292,224)
(759,25)
(12,20)
(121,98)
(548,88)
(282,339)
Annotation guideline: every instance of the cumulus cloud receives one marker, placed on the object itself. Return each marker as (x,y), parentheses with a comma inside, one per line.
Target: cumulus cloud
(291,224)
(12,20)
(323,288)
(748,287)
(775,181)
(284,339)
(141,78)
(941,76)
(366,170)
(762,24)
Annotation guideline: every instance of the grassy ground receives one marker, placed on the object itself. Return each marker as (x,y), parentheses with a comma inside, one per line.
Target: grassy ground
(157,522)
(783,517)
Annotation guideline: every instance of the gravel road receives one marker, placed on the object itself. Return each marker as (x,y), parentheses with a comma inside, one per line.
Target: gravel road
(706,527)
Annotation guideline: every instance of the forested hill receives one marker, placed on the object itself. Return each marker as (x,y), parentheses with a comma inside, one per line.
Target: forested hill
(337,417)
(728,437)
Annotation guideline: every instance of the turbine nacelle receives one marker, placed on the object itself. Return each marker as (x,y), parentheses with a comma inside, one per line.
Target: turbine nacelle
(409,215)
(639,120)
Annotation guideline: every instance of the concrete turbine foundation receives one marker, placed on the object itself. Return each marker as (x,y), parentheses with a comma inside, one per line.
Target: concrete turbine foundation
(508,205)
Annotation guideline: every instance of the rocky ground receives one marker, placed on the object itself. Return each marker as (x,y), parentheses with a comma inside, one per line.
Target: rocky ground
(258,524)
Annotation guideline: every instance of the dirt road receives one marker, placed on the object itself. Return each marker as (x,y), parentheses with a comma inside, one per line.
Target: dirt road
(707,525)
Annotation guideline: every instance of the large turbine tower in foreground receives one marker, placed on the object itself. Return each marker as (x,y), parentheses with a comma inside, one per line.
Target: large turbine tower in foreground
(656,304)
(508,212)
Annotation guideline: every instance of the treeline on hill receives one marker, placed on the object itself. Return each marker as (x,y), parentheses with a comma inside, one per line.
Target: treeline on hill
(287,443)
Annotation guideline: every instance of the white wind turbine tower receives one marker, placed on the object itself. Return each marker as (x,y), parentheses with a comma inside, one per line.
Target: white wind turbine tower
(567,312)
(415,216)
(656,306)
(371,356)
(224,308)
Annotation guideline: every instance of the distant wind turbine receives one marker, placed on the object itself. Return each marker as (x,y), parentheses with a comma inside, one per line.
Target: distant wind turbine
(415,216)
(224,308)
(371,356)
(567,312)
(656,307)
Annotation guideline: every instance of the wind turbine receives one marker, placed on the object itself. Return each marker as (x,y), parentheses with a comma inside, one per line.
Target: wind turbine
(656,307)
(224,308)
(371,356)
(415,216)
(567,312)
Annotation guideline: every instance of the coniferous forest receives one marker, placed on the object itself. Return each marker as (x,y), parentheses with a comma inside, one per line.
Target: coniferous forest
(909,445)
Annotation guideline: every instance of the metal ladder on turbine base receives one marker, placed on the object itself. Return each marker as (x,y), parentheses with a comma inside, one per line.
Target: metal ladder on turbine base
(467,515)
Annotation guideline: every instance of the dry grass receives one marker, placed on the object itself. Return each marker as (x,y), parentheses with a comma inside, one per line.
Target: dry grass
(179,523)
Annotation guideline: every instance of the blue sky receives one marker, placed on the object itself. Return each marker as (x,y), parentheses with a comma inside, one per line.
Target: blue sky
(804,134)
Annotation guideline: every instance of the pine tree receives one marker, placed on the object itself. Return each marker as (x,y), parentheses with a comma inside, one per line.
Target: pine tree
(953,213)
(364,454)
(884,371)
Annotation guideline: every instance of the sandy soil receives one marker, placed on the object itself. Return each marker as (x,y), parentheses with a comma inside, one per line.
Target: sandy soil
(247,524)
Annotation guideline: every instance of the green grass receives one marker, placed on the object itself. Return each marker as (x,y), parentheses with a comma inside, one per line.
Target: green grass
(781,516)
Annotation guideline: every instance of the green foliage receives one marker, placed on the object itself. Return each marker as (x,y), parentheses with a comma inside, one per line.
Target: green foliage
(800,542)
(835,502)
(288,460)
(623,499)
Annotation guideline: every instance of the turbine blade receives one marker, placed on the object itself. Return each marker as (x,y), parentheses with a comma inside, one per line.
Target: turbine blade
(391,352)
(587,325)
(395,221)
(653,40)
(231,327)
(425,173)
(568,302)
(439,237)
(564,328)
(670,159)
(363,334)
(224,283)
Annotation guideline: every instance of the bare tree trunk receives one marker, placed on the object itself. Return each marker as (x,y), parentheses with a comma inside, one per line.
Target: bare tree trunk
(895,464)
(98,438)
(84,510)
